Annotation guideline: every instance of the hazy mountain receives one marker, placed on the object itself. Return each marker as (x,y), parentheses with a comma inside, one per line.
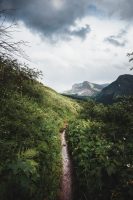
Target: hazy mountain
(85,89)
(123,86)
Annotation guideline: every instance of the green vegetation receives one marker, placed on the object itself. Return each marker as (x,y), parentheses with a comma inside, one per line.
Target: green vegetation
(31,116)
(101,144)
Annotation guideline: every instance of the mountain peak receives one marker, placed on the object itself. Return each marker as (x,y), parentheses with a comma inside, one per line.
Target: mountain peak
(85,88)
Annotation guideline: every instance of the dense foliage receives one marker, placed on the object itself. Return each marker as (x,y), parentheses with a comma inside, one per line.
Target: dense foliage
(30,118)
(31,115)
(101,144)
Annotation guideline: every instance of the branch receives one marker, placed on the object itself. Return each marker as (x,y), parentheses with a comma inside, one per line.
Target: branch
(131,59)
(9,47)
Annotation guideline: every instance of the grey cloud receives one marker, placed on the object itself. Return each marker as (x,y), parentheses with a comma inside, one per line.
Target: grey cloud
(118,8)
(122,33)
(115,42)
(55,17)
(82,32)
(49,17)
(118,40)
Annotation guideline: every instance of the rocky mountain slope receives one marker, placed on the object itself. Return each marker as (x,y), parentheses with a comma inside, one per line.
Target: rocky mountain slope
(85,89)
(123,86)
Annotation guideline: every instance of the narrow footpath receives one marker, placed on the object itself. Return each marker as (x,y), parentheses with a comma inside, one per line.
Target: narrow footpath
(66,182)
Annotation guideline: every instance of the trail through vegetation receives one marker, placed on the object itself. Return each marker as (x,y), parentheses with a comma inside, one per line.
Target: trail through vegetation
(66,182)
(100,141)
(31,116)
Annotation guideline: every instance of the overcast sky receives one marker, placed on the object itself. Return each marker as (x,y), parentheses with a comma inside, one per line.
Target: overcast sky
(73,41)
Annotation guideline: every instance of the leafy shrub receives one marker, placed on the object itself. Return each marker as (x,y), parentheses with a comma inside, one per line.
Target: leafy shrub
(101,148)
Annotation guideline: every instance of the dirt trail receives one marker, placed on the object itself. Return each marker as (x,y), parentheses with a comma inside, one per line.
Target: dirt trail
(66,183)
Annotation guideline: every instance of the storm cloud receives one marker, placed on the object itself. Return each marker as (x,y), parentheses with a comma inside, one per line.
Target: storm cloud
(56,17)
(50,17)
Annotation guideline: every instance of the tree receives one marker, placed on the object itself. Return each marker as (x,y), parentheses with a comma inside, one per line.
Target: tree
(8,47)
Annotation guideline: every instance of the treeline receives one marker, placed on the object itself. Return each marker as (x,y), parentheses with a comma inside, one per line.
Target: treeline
(31,116)
(101,145)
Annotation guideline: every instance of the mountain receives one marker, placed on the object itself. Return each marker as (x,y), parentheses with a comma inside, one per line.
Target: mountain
(123,86)
(85,89)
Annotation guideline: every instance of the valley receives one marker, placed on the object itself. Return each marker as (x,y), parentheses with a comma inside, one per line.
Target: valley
(89,159)
(76,144)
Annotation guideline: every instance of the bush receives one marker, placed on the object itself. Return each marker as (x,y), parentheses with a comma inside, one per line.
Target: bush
(101,148)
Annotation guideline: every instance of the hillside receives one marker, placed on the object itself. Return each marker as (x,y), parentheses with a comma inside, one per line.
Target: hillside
(123,86)
(30,120)
(85,89)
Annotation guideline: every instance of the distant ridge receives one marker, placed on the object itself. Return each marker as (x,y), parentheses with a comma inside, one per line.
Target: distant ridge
(85,89)
(123,86)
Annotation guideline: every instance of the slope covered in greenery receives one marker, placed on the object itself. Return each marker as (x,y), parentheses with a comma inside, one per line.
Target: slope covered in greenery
(31,116)
(101,145)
